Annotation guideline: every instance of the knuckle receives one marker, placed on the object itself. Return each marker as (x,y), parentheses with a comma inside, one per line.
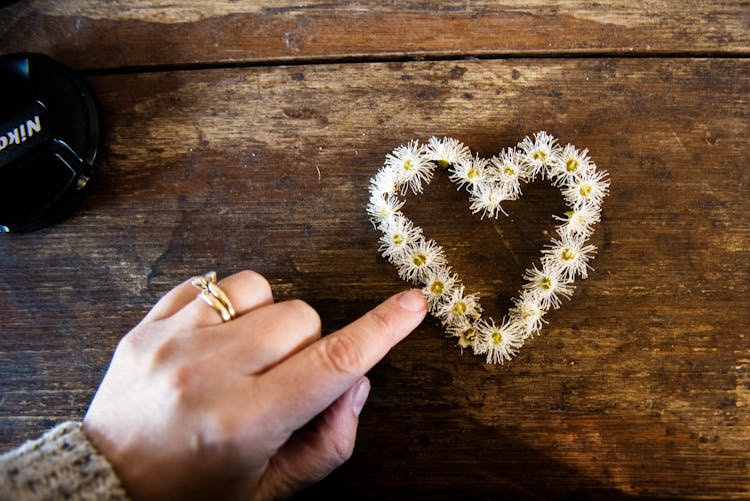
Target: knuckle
(150,341)
(135,344)
(165,351)
(340,354)
(257,280)
(182,377)
(303,312)
(133,341)
(184,385)
(127,344)
(342,449)
(379,323)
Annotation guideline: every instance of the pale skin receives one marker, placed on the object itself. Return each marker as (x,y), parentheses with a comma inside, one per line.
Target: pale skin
(255,408)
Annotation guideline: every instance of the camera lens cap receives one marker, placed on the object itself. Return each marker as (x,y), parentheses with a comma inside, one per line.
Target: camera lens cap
(49,141)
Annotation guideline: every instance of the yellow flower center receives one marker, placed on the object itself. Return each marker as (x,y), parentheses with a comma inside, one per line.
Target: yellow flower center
(571,165)
(407,165)
(419,259)
(472,173)
(443,164)
(470,334)
(567,254)
(585,190)
(459,308)
(437,287)
(509,170)
(540,155)
(497,338)
(546,283)
(398,239)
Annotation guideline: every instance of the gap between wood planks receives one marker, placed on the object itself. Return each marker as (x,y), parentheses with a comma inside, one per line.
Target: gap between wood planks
(431,57)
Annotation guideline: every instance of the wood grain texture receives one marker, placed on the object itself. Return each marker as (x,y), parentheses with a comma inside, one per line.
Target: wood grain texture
(639,386)
(90,34)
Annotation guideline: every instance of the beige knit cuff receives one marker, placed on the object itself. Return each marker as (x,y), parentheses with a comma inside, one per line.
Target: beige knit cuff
(62,464)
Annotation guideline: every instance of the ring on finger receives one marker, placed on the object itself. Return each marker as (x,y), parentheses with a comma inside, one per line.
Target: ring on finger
(212,294)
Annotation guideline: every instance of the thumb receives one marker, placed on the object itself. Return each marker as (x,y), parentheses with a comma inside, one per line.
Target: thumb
(316,449)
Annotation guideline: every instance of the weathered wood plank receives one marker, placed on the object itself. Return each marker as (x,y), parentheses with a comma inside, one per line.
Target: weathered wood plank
(93,34)
(639,384)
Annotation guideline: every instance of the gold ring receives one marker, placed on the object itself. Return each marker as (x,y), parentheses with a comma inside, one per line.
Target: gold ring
(212,294)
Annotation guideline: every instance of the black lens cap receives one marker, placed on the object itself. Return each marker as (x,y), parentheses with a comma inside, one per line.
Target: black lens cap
(49,141)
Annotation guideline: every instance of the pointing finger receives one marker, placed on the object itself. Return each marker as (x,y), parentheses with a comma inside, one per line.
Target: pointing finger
(319,374)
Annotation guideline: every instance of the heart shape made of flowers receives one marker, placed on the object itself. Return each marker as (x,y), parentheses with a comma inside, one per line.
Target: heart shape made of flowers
(489,182)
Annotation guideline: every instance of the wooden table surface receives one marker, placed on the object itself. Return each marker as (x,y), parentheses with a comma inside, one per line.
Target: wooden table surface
(243,134)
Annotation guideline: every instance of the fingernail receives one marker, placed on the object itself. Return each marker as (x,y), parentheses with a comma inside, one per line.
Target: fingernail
(360,396)
(412,300)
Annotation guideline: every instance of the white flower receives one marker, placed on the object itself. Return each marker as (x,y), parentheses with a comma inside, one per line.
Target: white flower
(469,171)
(410,167)
(570,255)
(589,188)
(458,307)
(538,153)
(439,284)
(569,164)
(509,172)
(499,343)
(547,284)
(486,198)
(581,220)
(527,314)
(382,208)
(420,260)
(446,151)
(398,235)
(466,332)
(384,182)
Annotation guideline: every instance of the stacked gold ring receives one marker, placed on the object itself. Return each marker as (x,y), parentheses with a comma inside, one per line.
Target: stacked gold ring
(214,296)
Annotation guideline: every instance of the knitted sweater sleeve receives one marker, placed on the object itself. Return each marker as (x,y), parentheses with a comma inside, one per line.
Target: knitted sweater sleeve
(62,464)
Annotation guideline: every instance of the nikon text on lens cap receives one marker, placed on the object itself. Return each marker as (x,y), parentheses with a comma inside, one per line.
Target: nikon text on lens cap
(49,141)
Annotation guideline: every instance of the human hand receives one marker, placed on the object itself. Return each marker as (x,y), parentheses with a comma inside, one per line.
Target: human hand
(254,408)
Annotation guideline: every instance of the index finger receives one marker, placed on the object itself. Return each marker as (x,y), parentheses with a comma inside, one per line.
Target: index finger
(308,382)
